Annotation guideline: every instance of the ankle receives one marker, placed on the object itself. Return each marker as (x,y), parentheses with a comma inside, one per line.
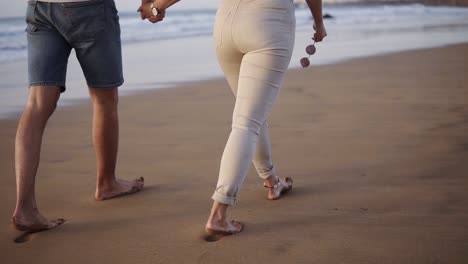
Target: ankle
(217,219)
(218,214)
(215,223)
(104,182)
(271,181)
(22,211)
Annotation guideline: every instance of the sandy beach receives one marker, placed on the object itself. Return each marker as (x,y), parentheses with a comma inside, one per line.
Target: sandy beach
(377,147)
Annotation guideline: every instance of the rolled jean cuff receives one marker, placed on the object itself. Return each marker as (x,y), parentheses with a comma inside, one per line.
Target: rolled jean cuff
(221,198)
(265,174)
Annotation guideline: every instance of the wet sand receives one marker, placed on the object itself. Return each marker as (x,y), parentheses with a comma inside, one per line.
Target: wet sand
(377,147)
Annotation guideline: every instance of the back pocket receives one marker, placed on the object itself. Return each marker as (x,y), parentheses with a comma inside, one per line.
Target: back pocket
(86,18)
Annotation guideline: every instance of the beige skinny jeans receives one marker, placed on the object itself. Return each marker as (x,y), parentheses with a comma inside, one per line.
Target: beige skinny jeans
(254,40)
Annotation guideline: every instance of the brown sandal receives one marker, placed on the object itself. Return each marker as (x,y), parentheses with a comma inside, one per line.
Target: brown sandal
(278,185)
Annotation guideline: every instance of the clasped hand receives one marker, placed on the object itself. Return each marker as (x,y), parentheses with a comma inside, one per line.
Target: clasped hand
(146,11)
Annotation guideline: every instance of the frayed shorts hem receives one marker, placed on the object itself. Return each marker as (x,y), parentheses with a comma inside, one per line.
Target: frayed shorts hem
(106,86)
(59,84)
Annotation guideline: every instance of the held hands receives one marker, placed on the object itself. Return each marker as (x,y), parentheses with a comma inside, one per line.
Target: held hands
(146,11)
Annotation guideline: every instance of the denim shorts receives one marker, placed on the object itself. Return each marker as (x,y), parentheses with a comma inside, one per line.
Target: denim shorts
(91,28)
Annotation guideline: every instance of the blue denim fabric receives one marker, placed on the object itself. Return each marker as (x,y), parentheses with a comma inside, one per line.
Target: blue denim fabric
(91,28)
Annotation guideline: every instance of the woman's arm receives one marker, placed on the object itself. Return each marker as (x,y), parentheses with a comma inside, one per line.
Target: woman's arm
(315,7)
(164,4)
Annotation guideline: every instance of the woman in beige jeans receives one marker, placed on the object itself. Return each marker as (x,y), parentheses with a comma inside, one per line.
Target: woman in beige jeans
(254,40)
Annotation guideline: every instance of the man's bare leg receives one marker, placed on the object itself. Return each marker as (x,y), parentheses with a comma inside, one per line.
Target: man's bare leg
(42,102)
(106,141)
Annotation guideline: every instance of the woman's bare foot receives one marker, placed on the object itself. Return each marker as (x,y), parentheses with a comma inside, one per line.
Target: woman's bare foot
(277,187)
(117,188)
(34,222)
(218,226)
(216,231)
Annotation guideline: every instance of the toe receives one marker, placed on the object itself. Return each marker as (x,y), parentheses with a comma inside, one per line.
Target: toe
(289,182)
(272,195)
(237,226)
(137,189)
(60,221)
(139,183)
(56,223)
(139,186)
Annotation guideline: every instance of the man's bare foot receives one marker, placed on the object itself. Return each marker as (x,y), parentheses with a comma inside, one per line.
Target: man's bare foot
(278,187)
(119,188)
(216,230)
(34,222)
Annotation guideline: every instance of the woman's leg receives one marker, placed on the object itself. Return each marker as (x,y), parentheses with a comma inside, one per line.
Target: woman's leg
(263,161)
(230,59)
(260,78)
(230,63)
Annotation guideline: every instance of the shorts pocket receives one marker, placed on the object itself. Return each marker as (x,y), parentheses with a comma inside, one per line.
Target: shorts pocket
(86,18)
(114,13)
(31,16)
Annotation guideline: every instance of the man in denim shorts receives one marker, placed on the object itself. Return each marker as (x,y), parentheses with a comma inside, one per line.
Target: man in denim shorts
(54,28)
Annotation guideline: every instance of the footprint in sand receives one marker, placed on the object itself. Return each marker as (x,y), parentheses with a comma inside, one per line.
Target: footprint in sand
(211,238)
(25,234)
(23,237)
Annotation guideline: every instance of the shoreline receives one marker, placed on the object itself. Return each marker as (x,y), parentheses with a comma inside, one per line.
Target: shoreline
(177,85)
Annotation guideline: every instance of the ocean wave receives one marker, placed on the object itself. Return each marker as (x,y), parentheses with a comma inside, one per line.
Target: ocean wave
(193,23)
